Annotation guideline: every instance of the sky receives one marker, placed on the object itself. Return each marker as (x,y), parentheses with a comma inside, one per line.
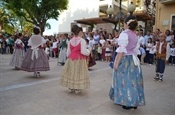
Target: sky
(54,27)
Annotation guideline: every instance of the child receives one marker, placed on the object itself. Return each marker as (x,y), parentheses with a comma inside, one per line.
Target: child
(143,54)
(162,56)
(148,46)
(51,50)
(47,51)
(172,55)
(108,51)
(99,50)
(90,59)
(152,51)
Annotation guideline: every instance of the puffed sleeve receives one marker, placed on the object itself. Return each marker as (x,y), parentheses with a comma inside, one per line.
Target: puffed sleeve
(136,49)
(168,51)
(122,42)
(29,41)
(43,40)
(84,49)
(68,49)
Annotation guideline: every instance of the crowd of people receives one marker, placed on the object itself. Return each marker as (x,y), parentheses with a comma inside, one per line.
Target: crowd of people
(124,51)
(101,43)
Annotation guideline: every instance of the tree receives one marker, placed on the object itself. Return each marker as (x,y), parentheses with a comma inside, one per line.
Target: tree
(7,18)
(37,12)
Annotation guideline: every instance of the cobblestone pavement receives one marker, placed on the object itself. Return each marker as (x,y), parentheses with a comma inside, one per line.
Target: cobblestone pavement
(22,94)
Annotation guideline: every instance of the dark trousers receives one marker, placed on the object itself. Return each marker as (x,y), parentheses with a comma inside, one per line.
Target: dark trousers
(26,48)
(172,59)
(160,66)
(3,50)
(139,56)
(99,56)
(146,60)
(11,48)
(151,58)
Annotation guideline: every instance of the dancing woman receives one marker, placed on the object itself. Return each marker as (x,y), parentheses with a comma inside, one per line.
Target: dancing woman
(36,59)
(127,84)
(75,74)
(18,53)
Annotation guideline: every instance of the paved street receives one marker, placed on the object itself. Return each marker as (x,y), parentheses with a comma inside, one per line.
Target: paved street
(22,94)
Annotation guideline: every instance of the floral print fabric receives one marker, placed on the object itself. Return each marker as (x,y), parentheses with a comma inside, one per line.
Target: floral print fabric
(127,88)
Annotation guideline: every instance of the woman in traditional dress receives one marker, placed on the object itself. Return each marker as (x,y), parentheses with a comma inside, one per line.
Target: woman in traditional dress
(127,85)
(75,74)
(63,48)
(36,59)
(90,59)
(18,53)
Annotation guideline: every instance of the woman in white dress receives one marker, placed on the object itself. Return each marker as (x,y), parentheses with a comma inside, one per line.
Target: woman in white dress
(18,53)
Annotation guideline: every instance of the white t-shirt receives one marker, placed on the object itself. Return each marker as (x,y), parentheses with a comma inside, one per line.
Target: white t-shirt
(47,50)
(55,44)
(141,40)
(148,45)
(108,49)
(172,51)
(152,50)
(91,44)
(102,42)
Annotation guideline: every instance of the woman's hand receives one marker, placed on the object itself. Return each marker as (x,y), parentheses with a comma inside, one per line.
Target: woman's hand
(115,66)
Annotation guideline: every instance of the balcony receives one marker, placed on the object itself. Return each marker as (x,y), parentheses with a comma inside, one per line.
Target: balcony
(167,1)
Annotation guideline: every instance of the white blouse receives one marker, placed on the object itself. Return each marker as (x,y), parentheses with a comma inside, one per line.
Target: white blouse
(122,42)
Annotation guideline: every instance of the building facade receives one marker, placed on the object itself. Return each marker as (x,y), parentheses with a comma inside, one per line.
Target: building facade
(84,9)
(88,9)
(77,9)
(165,15)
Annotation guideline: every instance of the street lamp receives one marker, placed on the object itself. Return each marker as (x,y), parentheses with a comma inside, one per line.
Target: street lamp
(118,17)
(131,8)
(110,11)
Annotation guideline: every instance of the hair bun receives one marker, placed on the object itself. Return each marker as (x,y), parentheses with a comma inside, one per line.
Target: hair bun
(76,29)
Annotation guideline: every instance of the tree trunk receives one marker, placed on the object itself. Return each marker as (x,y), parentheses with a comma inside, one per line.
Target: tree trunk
(42,27)
(1,26)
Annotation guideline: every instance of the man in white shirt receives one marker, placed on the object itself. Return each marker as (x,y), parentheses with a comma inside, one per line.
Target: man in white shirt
(96,37)
(141,39)
(147,36)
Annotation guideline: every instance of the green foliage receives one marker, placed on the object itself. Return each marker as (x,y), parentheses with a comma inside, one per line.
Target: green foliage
(10,22)
(37,12)
(92,27)
(8,29)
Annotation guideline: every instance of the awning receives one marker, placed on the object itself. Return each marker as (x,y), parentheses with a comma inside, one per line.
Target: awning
(98,20)
(141,16)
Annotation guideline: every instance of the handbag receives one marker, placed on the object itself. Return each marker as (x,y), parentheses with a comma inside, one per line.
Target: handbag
(111,64)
